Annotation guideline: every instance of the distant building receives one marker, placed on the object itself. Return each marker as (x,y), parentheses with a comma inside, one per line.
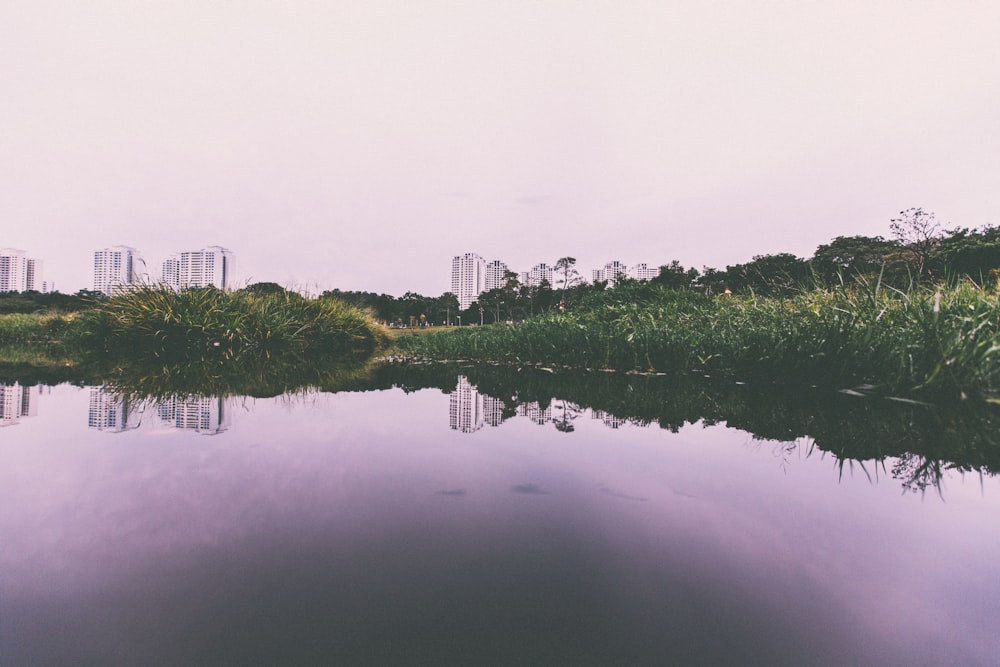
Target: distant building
(495,276)
(468,278)
(644,272)
(539,273)
(116,268)
(17,272)
(208,267)
(612,272)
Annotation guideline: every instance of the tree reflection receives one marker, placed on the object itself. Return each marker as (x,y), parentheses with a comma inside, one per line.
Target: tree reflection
(916,443)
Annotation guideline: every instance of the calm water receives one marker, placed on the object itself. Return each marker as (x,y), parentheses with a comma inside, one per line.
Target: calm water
(443,525)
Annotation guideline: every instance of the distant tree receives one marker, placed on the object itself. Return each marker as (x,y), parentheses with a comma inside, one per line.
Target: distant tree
(765,275)
(675,276)
(713,281)
(919,236)
(446,308)
(969,253)
(565,268)
(848,257)
(261,289)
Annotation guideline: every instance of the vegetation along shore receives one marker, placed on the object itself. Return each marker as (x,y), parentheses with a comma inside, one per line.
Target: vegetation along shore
(919,314)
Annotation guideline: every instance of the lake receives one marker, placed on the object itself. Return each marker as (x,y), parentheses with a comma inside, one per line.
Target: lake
(486,516)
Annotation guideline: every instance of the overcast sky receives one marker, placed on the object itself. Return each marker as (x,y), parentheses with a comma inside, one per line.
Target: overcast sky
(361,145)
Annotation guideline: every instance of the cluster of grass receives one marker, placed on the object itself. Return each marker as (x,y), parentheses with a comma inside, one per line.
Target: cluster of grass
(929,339)
(210,323)
(33,328)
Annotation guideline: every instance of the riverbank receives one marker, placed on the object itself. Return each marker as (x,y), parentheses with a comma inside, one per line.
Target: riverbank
(929,340)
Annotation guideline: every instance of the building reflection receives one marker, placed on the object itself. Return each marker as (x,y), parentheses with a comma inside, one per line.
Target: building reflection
(111,412)
(207,415)
(466,409)
(114,413)
(470,410)
(17,401)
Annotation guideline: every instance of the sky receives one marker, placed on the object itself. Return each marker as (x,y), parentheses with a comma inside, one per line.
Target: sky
(362,145)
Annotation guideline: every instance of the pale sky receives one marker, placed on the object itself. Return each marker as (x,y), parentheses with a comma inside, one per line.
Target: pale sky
(361,145)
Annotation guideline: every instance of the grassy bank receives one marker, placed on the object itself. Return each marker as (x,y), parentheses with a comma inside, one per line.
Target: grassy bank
(929,340)
(20,328)
(205,323)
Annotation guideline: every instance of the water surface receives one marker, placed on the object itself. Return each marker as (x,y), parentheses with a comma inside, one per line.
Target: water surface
(441,524)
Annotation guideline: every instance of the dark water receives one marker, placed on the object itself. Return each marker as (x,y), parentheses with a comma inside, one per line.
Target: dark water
(420,520)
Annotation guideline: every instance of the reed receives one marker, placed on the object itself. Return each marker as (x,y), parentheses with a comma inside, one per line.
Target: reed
(925,340)
(210,323)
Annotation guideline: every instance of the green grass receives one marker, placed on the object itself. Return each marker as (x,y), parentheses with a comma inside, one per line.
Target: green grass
(33,328)
(928,340)
(210,323)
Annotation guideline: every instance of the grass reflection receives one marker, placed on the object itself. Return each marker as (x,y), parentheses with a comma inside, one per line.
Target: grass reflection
(916,443)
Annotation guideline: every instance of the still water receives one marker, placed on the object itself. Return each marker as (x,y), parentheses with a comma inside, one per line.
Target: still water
(440,524)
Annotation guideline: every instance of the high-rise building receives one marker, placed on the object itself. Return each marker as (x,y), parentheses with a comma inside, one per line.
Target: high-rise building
(496,275)
(539,273)
(612,272)
(644,271)
(116,268)
(211,266)
(468,279)
(17,272)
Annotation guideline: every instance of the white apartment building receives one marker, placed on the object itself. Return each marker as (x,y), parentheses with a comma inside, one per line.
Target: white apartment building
(644,271)
(468,278)
(496,275)
(539,273)
(116,268)
(17,272)
(611,272)
(208,267)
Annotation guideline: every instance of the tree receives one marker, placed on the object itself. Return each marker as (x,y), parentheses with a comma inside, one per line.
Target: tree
(447,304)
(264,289)
(566,268)
(674,276)
(919,235)
(852,256)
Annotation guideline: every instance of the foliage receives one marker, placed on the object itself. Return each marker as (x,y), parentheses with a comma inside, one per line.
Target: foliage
(47,303)
(211,323)
(922,341)
(22,328)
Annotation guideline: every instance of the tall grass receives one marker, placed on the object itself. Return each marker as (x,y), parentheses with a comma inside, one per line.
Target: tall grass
(28,328)
(928,339)
(210,323)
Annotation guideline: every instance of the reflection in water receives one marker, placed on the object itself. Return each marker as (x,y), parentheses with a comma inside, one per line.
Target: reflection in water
(914,443)
(320,532)
(206,415)
(114,412)
(17,402)
(470,410)
(111,412)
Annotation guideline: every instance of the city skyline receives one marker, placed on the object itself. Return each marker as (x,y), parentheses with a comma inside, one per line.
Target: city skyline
(360,146)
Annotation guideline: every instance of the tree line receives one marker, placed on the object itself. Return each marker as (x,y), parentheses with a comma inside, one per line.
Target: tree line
(918,250)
